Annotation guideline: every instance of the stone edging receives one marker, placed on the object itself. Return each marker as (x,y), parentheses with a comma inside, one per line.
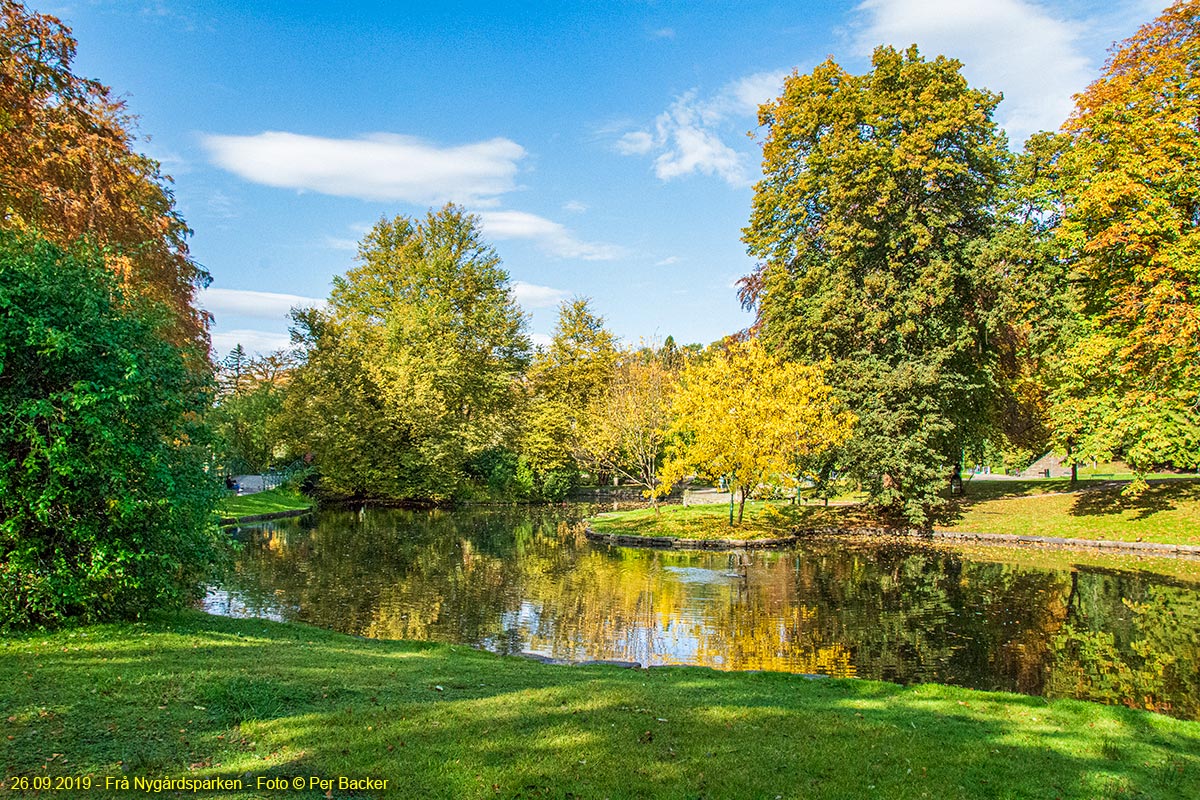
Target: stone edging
(675,543)
(294,512)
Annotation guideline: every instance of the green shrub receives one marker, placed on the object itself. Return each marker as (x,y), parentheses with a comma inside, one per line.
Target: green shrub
(105,503)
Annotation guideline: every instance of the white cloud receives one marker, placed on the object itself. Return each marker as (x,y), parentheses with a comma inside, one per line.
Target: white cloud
(1016,47)
(255,342)
(553,237)
(530,295)
(540,340)
(663,33)
(690,136)
(376,167)
(666,262)
(635,143)
(246,303)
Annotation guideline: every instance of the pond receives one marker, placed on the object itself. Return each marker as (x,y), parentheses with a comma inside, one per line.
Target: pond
(526,581)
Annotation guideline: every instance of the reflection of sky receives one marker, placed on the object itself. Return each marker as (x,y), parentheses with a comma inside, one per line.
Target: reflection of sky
(674,638)
(234,604)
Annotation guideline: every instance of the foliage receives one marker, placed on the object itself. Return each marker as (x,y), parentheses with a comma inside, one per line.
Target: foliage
(411,373)
(748,417)
(68,169)
(105,504)
(627,425)
(1129,383)
(878,193)
(563,381)
(247,418)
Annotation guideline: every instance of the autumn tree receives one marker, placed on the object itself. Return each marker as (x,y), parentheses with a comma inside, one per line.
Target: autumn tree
(1129,383)
(563,381)
(68,169)
(878,190)
(750,417)
(1035,314)
(627,423)
(412,370)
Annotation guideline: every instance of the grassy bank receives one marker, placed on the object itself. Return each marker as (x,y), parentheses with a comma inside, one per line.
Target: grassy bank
(198,696)
(269,502)
(1169,511)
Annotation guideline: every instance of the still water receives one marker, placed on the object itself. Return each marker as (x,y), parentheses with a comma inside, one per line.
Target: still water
(523,581)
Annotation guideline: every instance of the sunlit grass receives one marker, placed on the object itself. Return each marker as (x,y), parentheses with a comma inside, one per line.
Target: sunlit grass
(269,502)
(201,696)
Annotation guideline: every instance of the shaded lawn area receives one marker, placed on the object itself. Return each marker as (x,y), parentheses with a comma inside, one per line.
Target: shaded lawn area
(204,696)
(1169,511)
(269,502)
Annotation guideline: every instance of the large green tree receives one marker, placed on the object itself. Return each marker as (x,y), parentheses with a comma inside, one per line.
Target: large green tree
(1128,382)
(412,370)
(878,193)
(105,501)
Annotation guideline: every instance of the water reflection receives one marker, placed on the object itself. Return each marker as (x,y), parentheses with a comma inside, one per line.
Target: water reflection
(523,581)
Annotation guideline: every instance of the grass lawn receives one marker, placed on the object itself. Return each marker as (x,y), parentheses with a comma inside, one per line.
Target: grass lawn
(281,499)
(198,696)
(1169,511)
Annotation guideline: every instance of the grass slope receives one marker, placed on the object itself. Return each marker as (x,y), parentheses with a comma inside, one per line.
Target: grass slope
(203,696)
(1169,511)
(269,502)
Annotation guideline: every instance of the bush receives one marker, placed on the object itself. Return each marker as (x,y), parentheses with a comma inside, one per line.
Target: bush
(105,503)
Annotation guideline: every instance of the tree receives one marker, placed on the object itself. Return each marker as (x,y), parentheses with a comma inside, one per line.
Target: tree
(412,371)
(248,415)
(749,417)
(564,380)
(627,425)
(1129,382)
(105,502)
(68,169)
(878,192)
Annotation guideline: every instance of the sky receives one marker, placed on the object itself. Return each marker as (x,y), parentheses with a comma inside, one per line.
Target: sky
(609,149)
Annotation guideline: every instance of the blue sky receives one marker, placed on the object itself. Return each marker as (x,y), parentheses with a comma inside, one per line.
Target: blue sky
(609,148)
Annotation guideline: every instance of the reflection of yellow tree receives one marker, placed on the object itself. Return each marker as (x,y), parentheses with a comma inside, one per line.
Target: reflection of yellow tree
(516,581)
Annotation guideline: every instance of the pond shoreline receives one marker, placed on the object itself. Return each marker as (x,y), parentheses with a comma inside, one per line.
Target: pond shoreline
(226,522)
(684,543)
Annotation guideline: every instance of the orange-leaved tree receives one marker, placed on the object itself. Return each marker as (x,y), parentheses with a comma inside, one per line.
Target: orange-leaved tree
(1128,381)
(68,169)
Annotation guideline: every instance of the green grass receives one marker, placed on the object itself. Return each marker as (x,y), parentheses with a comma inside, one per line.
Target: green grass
(761,520)
(197,696)
(269,502)
(1169,512)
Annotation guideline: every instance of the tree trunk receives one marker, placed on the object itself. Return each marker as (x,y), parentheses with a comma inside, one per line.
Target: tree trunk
(741,506)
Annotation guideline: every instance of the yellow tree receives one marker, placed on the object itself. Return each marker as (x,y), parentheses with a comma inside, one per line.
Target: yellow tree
(626,427)
(748,417)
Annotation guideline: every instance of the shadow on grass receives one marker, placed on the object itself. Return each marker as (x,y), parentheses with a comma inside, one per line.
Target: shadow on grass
(1159,497)
(188,696)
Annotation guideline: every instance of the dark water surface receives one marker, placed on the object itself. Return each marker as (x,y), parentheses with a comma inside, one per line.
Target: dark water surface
(522,581)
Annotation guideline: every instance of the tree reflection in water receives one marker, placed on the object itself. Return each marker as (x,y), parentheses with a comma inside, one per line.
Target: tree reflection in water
(522,580)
